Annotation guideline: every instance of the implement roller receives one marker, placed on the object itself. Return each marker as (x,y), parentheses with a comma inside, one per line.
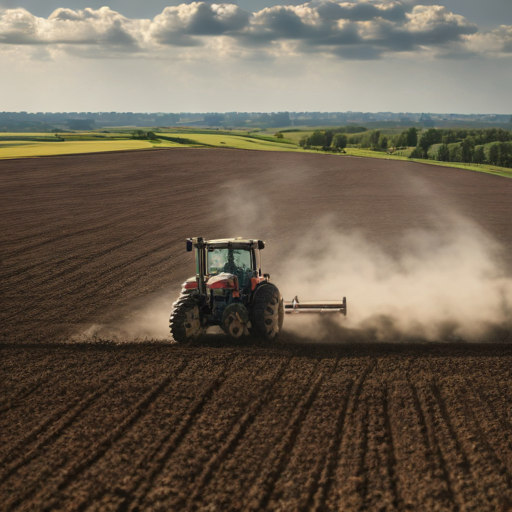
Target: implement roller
(294,306)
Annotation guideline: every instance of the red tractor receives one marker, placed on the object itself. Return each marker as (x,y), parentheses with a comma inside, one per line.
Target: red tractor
(230,291)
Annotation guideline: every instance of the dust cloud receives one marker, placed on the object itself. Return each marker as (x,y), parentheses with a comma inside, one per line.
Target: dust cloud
(444,282)
(143,321)
(441,284)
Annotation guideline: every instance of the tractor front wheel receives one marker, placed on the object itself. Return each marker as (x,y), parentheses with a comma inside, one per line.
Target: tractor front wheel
(185,321)
(267,312)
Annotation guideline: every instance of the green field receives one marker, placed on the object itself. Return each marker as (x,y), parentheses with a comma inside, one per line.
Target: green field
(27,149)
(234,141)
(490,169)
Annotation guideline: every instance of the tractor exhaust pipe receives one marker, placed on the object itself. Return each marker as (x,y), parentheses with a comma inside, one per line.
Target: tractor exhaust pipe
(295,307)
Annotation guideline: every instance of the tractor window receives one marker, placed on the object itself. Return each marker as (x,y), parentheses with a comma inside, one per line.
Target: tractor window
(228,260)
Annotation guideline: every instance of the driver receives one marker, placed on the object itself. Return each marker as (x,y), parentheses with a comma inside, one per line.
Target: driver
(230,265)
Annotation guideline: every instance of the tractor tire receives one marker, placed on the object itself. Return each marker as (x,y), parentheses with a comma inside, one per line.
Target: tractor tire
(185,321)
(267,312)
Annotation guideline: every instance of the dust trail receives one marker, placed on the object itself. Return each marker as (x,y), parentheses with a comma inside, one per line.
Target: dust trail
(144,321)
(444,283)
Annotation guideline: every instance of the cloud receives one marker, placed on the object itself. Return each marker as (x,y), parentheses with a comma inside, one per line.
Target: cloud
(361,11)
(183,25)
(497,42)
(346,30)
(102,27)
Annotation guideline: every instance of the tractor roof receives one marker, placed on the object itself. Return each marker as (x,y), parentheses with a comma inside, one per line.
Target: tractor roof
(238,240)
(233,242)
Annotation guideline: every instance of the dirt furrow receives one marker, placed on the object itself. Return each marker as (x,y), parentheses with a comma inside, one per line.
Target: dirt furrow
(492,482)
(346,486)
(26,446)
(101,279)
(258,496)
(378,487)
(236,434)
(158,461)
(130,456)
(492,429)
(85,435)
(241,468)
(67,385)
(14,246)
(205,435)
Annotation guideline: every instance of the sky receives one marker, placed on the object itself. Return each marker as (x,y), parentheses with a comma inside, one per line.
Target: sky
(452,56)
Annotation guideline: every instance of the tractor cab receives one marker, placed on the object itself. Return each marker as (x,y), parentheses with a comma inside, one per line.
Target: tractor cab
(226,262)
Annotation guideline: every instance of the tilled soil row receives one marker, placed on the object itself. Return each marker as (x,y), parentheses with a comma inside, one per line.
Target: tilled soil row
(252,427)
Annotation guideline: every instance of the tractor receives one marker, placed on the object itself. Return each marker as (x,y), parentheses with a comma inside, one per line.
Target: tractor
(230,291)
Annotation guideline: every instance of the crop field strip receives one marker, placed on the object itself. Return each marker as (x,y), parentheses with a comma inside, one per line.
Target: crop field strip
(230,425)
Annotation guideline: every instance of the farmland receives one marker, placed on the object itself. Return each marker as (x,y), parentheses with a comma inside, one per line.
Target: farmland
(29,145)
(30,149)
(100,410)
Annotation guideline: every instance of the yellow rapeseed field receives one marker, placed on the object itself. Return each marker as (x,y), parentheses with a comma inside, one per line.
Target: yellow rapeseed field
(26,149)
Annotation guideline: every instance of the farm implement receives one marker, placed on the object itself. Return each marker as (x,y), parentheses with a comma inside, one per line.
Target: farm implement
(230,291)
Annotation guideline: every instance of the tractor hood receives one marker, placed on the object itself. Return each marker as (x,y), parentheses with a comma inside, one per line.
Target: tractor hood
(224,280)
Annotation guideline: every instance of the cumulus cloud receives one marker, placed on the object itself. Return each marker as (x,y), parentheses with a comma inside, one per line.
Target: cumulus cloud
(185,24)
(102,27)
(497,42)
(347,30)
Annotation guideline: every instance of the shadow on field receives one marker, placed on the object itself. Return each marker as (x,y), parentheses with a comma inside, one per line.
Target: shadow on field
(286,346)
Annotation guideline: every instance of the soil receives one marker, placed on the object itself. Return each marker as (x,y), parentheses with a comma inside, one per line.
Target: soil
(223,425)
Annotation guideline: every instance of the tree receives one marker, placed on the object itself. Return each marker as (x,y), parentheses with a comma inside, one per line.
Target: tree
(152,136)
(400,140)
(384,143)
(494,152)
(479,155)
(374,138)
(429,137)
(416,153)
(139,134)
(456,153)
(467,150)
(328,136)
(443,153)
(339,141)
(505,154)
(303,141)
(316,139)
(411,137)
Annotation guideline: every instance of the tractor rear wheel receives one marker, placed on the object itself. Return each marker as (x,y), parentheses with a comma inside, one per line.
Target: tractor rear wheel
(185,320)
(267,312)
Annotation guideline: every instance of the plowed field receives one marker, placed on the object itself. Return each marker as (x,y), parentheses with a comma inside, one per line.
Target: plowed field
(90,424)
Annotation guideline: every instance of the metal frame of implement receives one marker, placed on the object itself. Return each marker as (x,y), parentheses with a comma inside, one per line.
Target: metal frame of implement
(295,307)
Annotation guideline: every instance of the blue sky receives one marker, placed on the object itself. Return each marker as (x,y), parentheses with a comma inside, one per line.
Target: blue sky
(156,55)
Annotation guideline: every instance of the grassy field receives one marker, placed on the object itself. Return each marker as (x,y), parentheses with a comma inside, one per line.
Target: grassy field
(490,169)
(29,149)
(235,141)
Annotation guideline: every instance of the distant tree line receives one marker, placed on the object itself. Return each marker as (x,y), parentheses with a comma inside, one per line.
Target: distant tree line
(142,135)
(480,146)
(329,140)
(491,146)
